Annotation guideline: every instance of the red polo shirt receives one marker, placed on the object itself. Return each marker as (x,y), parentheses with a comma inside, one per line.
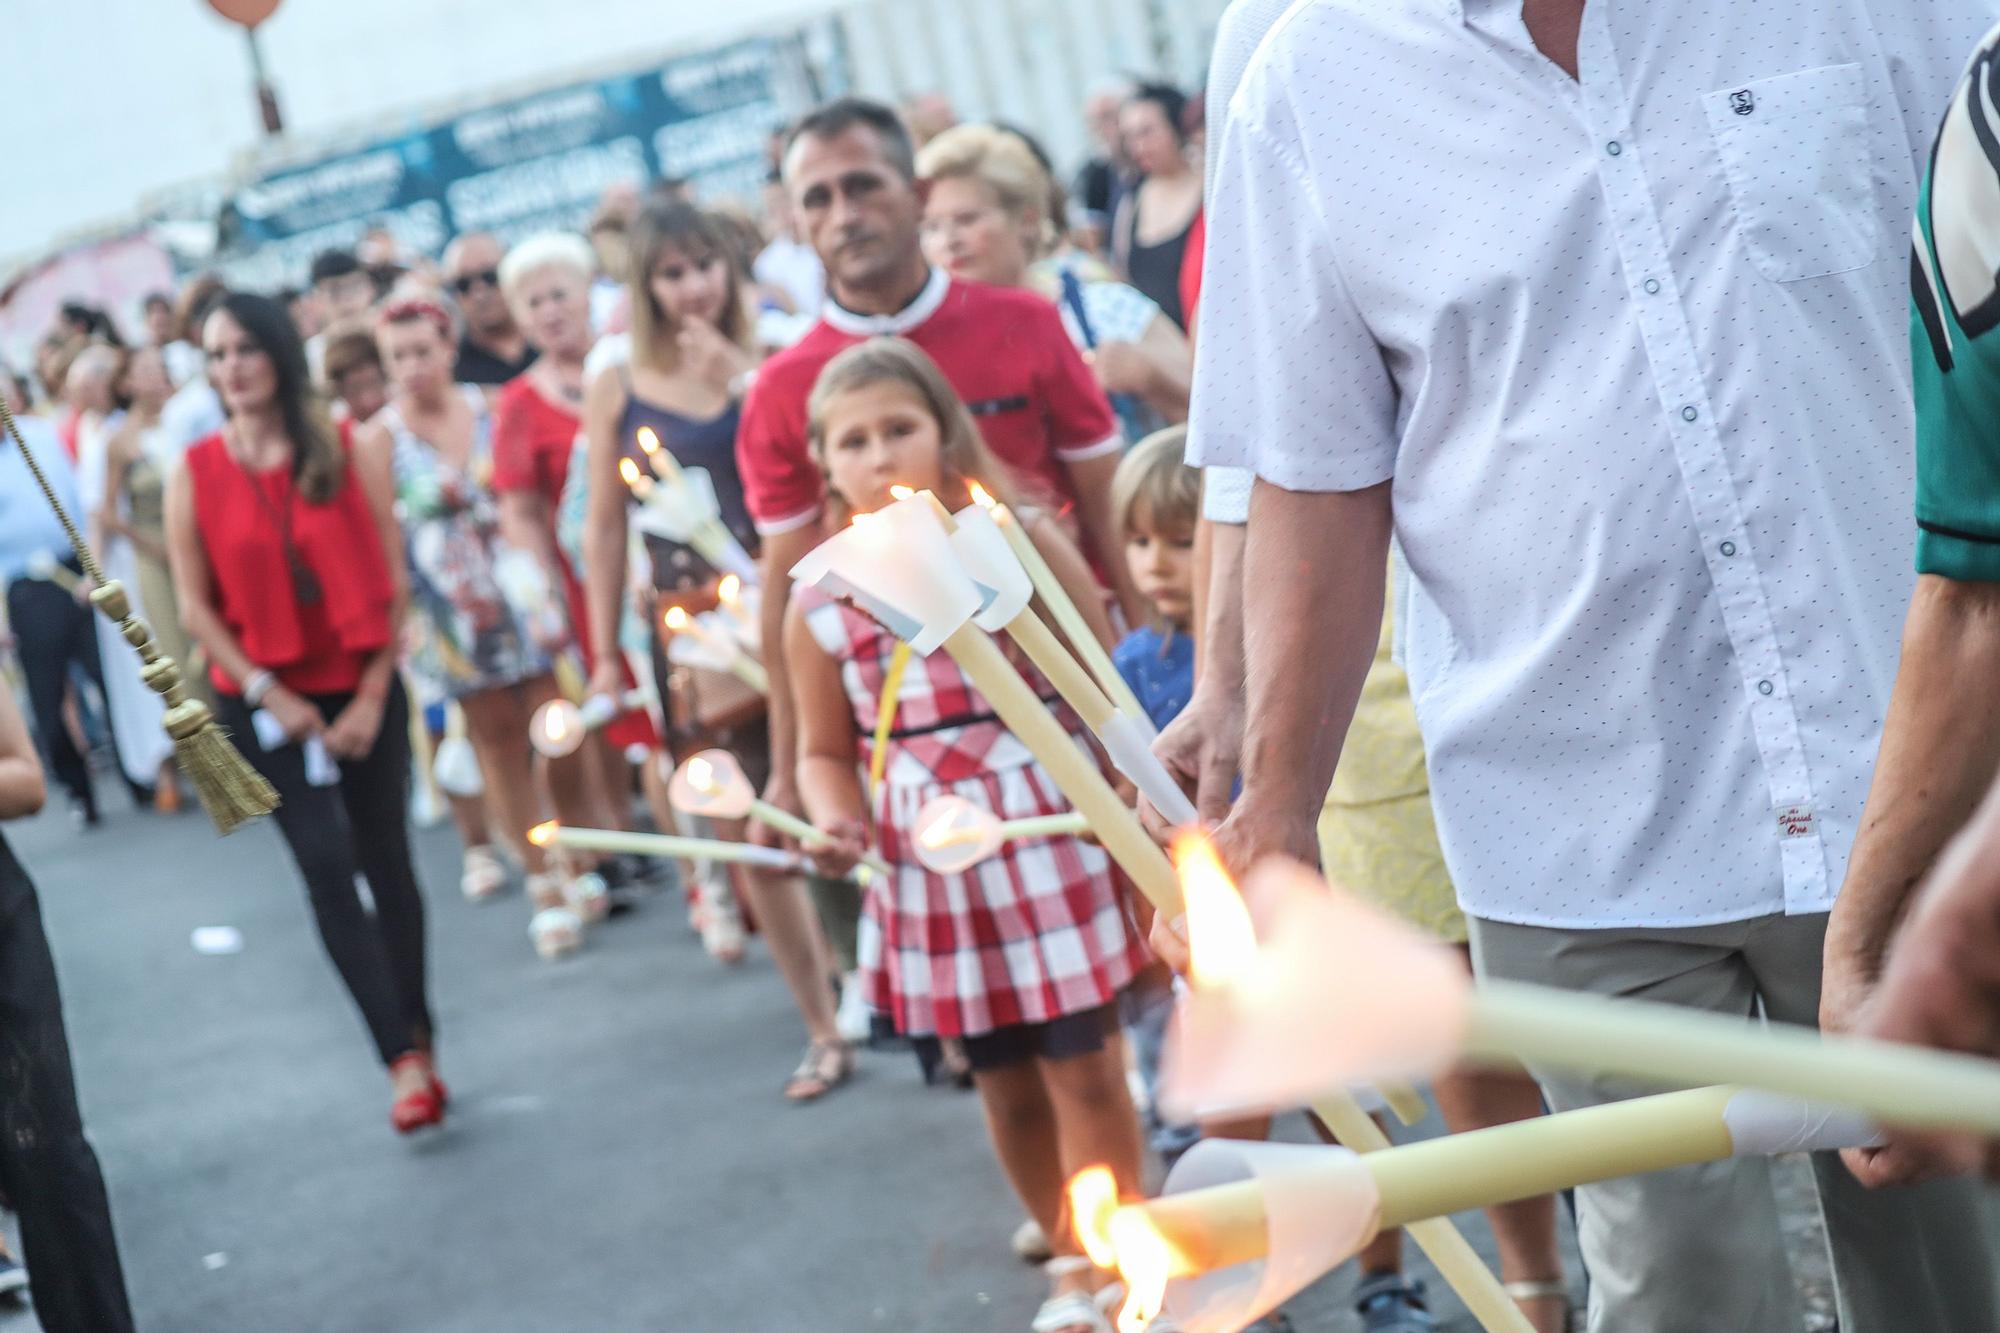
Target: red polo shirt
(1005,352)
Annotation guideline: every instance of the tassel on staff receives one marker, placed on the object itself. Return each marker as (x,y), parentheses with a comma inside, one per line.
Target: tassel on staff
(232,792)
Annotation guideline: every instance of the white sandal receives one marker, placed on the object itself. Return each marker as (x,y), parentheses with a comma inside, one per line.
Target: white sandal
(721,923)
(589,897)
(1072,1310)
(555,929)
(483,874)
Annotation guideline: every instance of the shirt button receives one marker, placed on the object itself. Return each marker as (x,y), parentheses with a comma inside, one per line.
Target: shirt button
(1614,148)
(1652,286)
(1765,687)
(1729,548)
(1688,413)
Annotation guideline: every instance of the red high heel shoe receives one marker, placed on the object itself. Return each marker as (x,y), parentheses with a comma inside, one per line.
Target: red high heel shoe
(420,1109)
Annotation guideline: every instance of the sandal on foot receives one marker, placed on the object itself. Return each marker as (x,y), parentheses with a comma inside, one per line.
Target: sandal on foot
(827,1065)
(721,924)
(1391,1303)
(1074,1311)
(1544,1289)
(484,873)
(589,897)
(556,929)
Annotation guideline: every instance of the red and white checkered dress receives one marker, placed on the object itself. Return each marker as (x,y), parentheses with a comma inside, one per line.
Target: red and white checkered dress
(1029,935)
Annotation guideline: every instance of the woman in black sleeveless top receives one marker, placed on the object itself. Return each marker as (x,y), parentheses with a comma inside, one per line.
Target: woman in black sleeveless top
(1151,235)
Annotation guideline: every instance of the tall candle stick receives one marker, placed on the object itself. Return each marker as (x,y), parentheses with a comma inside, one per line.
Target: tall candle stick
(1246,1225)
(1061,607)
(662,844)
(686,511)
(713,784)
(1270,1027)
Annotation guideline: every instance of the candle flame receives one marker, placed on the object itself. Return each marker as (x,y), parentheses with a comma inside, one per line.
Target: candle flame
(948,829)
(1093,1198)
(980,495)
(902,492)
(648,441)
(555,724)
(543,835)
(1222,945)
(628,470)
(677,619)
(701,775)
(1146,1259)
(729,590)
(1125,1240)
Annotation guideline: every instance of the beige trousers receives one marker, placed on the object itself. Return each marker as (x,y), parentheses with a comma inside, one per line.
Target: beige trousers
(1697,1249)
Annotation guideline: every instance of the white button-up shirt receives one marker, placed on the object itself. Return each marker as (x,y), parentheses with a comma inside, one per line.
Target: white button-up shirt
(1634,349)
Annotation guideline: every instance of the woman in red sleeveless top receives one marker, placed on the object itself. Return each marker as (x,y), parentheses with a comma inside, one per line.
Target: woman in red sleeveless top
(289,567)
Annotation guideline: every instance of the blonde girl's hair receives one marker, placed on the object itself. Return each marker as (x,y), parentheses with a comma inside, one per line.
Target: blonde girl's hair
(1004,163)
(964,457)
(698,236)
(1154,485)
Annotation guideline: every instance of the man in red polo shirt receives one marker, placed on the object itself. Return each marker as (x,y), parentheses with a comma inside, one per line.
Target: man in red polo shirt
(851,173)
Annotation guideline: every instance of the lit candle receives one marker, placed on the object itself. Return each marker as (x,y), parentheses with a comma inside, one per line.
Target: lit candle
(721,648)
(953,834)
(665,466)
(1336,990)
(553,834)
(1243,1227)
(636,481)
(1068,618)
(558,727)
(713,784)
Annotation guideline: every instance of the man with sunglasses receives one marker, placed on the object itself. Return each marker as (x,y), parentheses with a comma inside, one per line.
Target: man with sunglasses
(492,350)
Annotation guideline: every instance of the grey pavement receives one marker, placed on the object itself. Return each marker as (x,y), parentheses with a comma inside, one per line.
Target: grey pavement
(618,1159)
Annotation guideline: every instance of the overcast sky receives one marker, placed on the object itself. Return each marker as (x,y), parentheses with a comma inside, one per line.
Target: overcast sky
(107,100)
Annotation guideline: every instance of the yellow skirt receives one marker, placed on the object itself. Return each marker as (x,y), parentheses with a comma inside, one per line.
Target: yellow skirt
(1387,852)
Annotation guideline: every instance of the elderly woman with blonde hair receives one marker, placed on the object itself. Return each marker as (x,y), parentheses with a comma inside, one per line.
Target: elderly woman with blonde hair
(995,214)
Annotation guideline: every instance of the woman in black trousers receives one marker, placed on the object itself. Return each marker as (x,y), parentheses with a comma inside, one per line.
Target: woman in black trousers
(47,1169)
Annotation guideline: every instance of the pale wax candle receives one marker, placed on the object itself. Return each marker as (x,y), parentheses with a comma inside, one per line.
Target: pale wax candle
(712,783)
(953,834)
(1338,991)
(670,845)
(1062,608)
(719,647)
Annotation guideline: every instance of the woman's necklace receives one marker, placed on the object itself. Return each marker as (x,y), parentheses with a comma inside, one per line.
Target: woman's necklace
(306,587)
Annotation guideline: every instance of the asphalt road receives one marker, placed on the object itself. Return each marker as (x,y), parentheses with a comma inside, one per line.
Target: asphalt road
(618,1160)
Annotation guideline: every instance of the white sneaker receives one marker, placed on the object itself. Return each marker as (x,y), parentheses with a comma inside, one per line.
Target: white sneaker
(854,1020)
(721,924)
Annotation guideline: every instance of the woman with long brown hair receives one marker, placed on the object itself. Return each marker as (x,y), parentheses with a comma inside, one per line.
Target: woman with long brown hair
(289,567)
(691,358)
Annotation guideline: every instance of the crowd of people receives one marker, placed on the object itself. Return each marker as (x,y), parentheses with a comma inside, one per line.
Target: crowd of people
(1574,464)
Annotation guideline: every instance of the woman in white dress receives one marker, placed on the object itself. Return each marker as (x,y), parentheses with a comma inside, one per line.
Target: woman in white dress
(144,749)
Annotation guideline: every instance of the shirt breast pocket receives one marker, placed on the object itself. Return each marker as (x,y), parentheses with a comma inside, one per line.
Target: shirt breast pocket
(1796,151)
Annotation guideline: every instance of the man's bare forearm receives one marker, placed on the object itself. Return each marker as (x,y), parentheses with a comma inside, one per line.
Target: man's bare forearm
(1314,570)
(1219,645)
(1940,749)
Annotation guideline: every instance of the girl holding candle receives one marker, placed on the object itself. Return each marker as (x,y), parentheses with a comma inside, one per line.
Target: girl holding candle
(289,567)
(1022,956)
(490,653)
(692,354)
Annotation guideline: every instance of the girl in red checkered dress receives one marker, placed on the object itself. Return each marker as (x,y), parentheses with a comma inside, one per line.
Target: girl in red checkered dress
(1021,957)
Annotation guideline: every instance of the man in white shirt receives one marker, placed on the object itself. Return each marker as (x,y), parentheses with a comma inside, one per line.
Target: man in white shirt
(1600,307)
